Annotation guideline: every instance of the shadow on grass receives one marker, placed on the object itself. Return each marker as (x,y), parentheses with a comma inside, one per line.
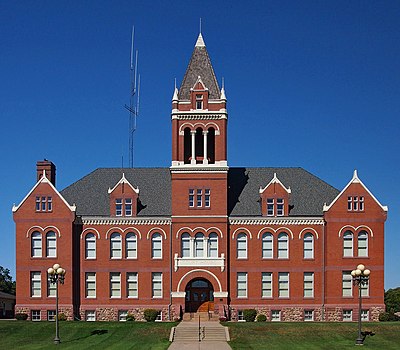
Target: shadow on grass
(94,332)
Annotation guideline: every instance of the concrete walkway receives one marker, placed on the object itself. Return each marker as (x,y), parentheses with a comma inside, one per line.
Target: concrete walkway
(213,335)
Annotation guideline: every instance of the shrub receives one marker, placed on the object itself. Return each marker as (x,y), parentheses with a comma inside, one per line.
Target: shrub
(21,316)
(261,318)
(150,315)
(130,317)
(388,316)
(62,316)
(222,319)
(249,315)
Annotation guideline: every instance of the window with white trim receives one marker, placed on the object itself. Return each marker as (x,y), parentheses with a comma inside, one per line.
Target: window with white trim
(308,246)
(118,207)
(283,246)
(270,207)
(207,197)
(122,315)
(90,315)
(90,246)
(185,245)
(51,244)
(266,284)
(363,244)
(241,245)
(280,207)
(131,245)
(240,315)
(308,284)
(36,244)
(51,315)
(191,197)
(355,203)
(308,315)
(267,245)
(116,246)
(51,288)
(347,284)
(199,101)
(199,245)
(242,284)
(156,284)
(44,203)
(365,290)
(123,206)
(199,197)
(132,284)
(212,245)
(36,284)
(156,246)
(90,284)
(35,315)
(348,315)
(365,315)
(283,284)
(275,315)
(348,244)
(128,206)
(115,285)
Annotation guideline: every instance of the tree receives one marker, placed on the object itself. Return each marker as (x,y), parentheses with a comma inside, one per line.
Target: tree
(7,285)
(392,300)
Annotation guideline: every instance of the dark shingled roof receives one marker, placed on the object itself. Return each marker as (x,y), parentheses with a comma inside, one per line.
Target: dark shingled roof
(309,193)
(199,65)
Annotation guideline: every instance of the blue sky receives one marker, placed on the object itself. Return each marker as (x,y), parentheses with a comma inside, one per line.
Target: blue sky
(314,84)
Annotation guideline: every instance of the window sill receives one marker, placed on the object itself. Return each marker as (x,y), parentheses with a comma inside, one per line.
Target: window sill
(242,297)
(157,297)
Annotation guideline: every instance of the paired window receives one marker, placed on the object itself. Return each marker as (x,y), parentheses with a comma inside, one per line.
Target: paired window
(362,244)
(116,246)
(283,246)
(283,284)
(308,246)
(90,284)
(241,245)
(90,246)
(267,246)
(51,244)
(156,279)
(355,203)
(156,246)
(36,284)
(308,284)
(36,244)
(199,198)
(44,203)
(266,284)
(242,284)
(275,206)
(123,207)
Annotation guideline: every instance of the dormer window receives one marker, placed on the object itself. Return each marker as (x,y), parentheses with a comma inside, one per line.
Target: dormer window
(123,207)
(355,203)
(118,207)
(128,206)
(270,206)
(279,207)
(199,101)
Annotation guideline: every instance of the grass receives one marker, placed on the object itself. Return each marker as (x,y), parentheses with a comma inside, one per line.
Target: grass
(304,335)
(85,335)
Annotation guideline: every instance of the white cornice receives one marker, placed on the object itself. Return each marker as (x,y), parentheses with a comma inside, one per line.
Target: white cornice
(275,180)
(200,168)
(198,116)
(276,221)
(125,181)
(98,220)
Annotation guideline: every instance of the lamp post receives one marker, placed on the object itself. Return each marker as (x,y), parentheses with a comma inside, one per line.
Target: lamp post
(56,275)
(360,278)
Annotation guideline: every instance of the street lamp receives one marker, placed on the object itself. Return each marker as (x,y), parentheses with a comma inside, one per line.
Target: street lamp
(56,275)
(360,278)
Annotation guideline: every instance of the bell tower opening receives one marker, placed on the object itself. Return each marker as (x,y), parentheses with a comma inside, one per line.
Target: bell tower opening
(199,295)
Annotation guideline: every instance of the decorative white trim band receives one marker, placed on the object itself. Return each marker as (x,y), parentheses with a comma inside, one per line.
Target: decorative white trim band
(87,220)
(199,262)
(276,221)
(199,116)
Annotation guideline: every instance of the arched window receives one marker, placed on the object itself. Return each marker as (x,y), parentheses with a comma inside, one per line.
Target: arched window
(213,245)
(90,246)
(267,246)
(36,244)
(199,144)
(363,243)
(131,246)
(199,245)
(156,246)
(116,246)
(211,145)
(185,245)
(308,246)
(241,246)
(187,146)
(348,243)
(51,244)
(283,246)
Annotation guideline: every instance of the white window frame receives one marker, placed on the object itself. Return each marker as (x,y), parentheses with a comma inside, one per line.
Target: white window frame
(241,283)
(199,243)
(362,251)
(199,198)
(267,245)
(90,285)
(212,245)
(36,284)
(283,246)
(365,315)
(308,285)
(270,207)
(116,245)
(90,315)
(157,285)
(131,245)
(199,101)
(128,206)
(191,197)
(241,246)
(283,285)
(51,244)
(347,284)
(132,285)
(115,285)
(266,284)
(185,245)
(36,315)
(308,246)
(348,244)
(347,315)
(51,315)
(156,246)
(51,288)
(36,245)
(207,198)
(275,315)
(122,315)
(280,207)
(308,315)
(90,246)
(118,206)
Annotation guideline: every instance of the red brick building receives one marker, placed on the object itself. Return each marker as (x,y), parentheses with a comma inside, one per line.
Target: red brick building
(200,234)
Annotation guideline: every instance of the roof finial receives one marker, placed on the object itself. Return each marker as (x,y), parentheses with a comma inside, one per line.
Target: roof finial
(200,25)
(174,84)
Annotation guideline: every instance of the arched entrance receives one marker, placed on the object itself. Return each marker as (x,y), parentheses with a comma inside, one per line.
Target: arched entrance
(199,291)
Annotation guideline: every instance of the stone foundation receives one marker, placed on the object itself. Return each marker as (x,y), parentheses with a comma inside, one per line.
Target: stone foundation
(67,311)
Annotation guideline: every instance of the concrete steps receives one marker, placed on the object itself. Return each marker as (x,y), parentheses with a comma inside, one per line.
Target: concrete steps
(208,332)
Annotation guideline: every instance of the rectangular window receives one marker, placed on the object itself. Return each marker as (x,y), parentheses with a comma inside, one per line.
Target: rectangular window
(347,284)
(51,288)
(275,315)
(348,315)
(270,206)
(355,203)
(122,315)
(128,206)
(207,202)
(242,284)
(266,284)
(365,290)
(115,285)
(49,204)
(279,207)
(308,315)
(283,284)
(90,315)
(199,197)
(36,282)
(365,315)
(35,315)
(240,316)
(37,206)
(199,101)
(36,245)
(51,315)
(157,284)
(90,278)
(118,207)
(132,284)
(308,284)
(43,203)
(361,204)
(191,197)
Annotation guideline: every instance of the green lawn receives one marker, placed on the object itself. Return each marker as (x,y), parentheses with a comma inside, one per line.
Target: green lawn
(85,335)
(304,335)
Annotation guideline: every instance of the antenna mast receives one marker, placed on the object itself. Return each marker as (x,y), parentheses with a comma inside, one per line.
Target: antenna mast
(133,107)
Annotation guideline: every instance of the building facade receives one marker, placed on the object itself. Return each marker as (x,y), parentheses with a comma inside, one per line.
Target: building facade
(199,235)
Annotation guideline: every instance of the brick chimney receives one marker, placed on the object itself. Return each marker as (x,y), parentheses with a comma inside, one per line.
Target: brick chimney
(50,169)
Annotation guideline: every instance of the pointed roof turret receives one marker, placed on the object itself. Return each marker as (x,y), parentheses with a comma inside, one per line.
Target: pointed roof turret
(199,65)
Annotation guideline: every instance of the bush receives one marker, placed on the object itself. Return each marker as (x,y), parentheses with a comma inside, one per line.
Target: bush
(388,316)
(62,316)
(150,315)
(261,318)
(21,316)
(222,319)
(249,315)
(130,317)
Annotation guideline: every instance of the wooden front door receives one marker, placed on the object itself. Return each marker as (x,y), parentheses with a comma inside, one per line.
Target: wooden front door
(198,291)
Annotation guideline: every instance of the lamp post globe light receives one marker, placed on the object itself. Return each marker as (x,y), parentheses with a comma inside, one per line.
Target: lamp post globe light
(56,276)
(360,278)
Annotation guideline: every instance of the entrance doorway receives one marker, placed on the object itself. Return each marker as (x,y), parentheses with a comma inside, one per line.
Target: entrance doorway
(198,291)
